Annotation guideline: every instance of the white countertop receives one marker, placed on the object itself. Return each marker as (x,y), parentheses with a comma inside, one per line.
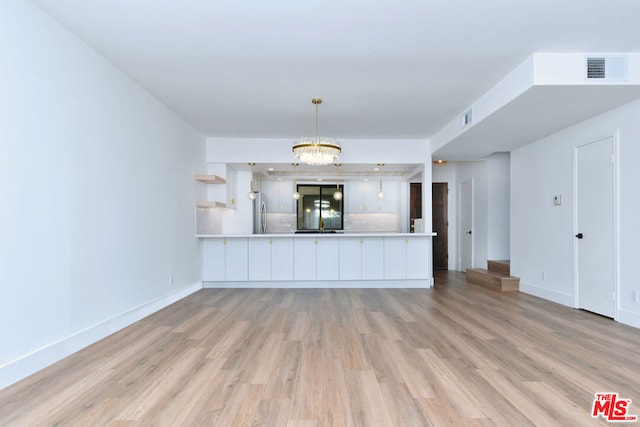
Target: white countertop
(321,235)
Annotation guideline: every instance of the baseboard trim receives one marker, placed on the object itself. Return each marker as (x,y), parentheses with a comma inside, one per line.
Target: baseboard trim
(547,294)
(28,364)
(336,284)
(630,318)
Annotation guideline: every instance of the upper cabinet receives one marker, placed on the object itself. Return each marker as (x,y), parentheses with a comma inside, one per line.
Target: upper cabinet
(279,196)
(362,197)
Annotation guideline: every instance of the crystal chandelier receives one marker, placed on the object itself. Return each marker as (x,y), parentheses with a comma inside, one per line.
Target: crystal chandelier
(317,151)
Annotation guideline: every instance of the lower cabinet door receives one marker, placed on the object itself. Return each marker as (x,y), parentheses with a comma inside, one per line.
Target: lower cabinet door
(282,259)
(372,258)
(327,259)
(395,258)
(419,258)
(350,258)
(236,259)
(259,259)
(304,256)
(213,260)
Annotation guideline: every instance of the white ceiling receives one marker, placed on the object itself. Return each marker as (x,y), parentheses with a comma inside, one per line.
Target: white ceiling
(385,68)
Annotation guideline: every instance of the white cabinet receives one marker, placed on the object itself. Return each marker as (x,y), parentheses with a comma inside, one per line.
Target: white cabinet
(236,260)
(363,196)
(225,260)
(304,256)
(351,258)
(407,258)
(372,258)
(316,258)
(395,258)
(418,258)
(327,259)
(270,259)
(259,259)
(213,260)
(361,258)
(279,196)
(282,258)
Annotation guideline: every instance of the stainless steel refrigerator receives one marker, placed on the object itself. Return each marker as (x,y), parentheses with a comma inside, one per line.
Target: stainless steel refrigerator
(259,213)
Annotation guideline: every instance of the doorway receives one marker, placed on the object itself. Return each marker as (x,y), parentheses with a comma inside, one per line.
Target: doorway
(466,225)
(595,227)
(415,204)
(439,203)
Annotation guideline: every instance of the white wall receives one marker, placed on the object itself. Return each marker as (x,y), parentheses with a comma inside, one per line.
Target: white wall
(498,205)
(491,207)
(542,237)
(96,196)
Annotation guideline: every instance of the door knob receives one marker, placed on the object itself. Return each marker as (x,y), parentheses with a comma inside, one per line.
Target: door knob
(469,232)
(579,235)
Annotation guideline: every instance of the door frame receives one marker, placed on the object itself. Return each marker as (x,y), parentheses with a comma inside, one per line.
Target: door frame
(615,136)
(460,230)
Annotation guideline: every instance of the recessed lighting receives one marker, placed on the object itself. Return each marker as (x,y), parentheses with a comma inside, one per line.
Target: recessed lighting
(439,162)
(376,169)
(319,179)
(366,180)
(279,179)
(270,169)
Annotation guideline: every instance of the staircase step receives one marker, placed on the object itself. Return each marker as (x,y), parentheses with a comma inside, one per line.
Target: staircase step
(500,266)
(493,280)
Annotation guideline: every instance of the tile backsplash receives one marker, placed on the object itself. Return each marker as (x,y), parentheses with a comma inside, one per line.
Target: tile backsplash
(353,223)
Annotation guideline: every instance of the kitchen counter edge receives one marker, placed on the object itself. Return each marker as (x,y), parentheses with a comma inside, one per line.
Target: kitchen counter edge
(321,235)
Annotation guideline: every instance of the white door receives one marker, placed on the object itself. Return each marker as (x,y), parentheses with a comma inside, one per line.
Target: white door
(466,225)
(595,227)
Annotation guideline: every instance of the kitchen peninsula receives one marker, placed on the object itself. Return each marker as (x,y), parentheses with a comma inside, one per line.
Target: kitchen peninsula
(372,246)
(371,260)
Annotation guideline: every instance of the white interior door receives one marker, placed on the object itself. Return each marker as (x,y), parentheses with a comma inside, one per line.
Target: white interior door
(595,239)
(466,225)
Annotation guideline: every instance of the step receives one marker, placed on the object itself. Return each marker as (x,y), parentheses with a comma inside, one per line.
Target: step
(500,266)
(492,280)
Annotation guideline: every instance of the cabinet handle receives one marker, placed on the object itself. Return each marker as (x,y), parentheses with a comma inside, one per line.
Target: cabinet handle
(270,242)
(224,242)
(361,241)
(315,241)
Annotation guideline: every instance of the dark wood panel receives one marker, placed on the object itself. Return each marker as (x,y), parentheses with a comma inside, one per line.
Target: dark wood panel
(439,204)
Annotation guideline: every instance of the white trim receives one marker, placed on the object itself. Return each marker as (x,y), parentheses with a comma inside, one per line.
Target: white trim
(337,284)
(15,370)
(460,230)
(631,318)
(548,294)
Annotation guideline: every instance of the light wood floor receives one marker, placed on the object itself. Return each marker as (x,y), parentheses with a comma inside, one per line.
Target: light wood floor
(453,355)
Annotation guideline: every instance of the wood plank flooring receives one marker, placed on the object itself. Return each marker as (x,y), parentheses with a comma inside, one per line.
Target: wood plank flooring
(456,354)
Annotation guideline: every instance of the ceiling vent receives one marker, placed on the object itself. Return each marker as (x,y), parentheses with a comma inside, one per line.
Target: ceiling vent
(466,119)
(606,68)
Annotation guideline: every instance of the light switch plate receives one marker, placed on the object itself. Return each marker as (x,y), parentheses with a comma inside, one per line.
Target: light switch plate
(557,199)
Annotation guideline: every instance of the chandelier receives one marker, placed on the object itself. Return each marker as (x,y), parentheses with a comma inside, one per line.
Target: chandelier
(317,151)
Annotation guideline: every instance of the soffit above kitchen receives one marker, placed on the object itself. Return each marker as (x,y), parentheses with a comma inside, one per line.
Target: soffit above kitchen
(384,69)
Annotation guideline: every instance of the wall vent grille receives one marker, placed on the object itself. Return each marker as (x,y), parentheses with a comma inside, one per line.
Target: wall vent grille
(596,68)
(466,118)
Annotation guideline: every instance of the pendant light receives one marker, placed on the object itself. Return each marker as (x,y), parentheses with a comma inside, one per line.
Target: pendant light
(252,193)
(380,193)
(318,150)
(338,194)
(295,194)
